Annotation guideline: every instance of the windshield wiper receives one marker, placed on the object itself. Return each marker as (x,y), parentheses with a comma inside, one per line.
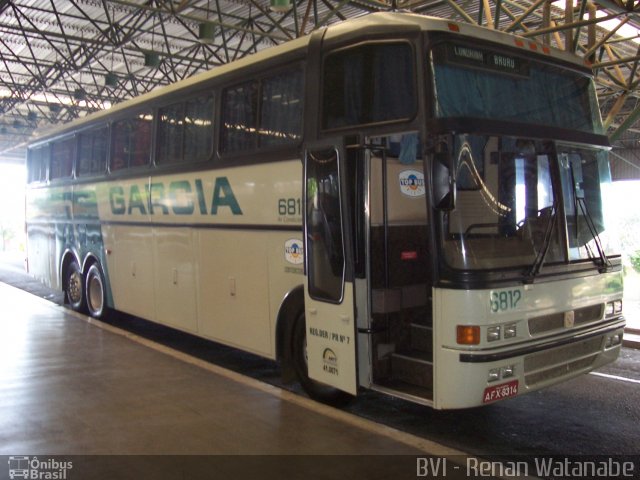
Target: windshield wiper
(605,264)
(546,243)
(580,202)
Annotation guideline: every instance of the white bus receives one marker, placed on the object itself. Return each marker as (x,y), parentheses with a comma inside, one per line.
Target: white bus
(396,202)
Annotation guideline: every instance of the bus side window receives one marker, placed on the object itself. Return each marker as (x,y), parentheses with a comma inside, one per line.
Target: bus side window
(281,109)
(170,134)
(264,113)
(368,84)
(185,131)
(119,149)
(131,145)
(92,152)
(198,129)
(239,118)
(62,153)
(141,132)
(37,164)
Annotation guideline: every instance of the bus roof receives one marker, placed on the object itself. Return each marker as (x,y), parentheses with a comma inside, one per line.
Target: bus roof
(425,23)
(355,27)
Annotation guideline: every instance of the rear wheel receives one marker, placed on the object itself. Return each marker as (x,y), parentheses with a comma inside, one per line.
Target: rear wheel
(318,391)
(74,287)
(96,292)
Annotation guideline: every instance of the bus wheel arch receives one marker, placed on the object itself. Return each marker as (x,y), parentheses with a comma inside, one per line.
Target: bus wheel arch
(291,305)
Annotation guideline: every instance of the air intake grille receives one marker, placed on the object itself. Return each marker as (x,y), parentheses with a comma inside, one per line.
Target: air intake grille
(555,321)
(561,361)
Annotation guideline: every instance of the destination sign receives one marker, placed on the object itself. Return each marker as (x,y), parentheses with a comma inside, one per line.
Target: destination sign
(487,59)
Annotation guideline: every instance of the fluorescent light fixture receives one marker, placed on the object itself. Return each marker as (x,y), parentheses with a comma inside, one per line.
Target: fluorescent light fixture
(151,59)
(281,6)
(206,32)
(111,80)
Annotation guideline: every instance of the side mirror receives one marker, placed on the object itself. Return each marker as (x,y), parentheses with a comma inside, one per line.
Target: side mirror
(443,184)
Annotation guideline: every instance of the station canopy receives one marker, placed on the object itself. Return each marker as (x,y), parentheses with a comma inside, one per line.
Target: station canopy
(60,60)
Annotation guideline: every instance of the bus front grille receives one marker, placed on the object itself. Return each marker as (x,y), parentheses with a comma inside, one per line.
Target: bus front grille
(555,321)
(562,361)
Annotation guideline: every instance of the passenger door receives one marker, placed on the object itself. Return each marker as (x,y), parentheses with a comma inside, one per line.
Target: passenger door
(329,285)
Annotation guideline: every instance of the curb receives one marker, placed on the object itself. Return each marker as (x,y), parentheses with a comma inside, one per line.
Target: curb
(631,338)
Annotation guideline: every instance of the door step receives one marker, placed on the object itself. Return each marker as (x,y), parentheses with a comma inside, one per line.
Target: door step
(406,391)
(421,338)
(415,368)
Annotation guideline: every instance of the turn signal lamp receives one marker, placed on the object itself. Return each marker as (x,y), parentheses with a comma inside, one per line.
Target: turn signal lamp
(468,335)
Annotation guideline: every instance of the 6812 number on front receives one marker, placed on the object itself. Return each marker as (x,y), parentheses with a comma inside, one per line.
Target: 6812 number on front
(505,300)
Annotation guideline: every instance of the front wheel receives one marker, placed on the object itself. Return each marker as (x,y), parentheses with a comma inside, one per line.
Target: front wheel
(96,292)
(318,391)
(74,287)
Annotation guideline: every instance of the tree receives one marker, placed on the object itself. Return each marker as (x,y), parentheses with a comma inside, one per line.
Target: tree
(635,260)
(7,234)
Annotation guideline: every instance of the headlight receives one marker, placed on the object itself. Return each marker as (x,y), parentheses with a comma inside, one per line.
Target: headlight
(617,306)
(510,330)
(608,309)
(506,372)
(613,308)
(493,334)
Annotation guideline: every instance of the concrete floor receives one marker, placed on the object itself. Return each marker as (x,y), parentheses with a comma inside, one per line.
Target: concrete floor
(71,386)
(36,335)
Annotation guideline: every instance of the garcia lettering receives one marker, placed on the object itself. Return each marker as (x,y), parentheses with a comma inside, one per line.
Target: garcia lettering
(181,197)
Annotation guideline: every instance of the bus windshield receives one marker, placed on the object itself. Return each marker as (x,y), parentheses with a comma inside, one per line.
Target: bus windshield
(480,83)
(509,211)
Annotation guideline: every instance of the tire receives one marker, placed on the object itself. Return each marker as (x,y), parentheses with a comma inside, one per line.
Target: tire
(96,293)
(316,390)
(74,287)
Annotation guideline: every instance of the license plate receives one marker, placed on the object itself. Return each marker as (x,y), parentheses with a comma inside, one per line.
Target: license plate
(500,392)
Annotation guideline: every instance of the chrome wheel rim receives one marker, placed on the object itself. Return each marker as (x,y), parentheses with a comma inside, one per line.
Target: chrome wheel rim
(95,295)
(75,287)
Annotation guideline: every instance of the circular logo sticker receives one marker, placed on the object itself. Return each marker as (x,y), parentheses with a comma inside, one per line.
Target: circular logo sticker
(412,183)
(330,361)
(293,252)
